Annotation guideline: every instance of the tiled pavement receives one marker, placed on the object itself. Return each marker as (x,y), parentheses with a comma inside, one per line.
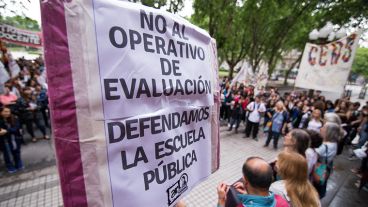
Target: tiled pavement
(40,189)
(233,152)
(45,190)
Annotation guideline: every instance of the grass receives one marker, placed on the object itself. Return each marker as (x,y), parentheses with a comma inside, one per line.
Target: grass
(223,73)
(23,49)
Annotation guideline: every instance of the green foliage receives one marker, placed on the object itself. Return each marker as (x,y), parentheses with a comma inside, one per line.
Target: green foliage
(224,20)
(360,64)
(260,31)
(21,22)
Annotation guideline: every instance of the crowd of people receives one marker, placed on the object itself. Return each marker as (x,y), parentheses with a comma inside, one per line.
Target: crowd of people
(23,104)
(314,131)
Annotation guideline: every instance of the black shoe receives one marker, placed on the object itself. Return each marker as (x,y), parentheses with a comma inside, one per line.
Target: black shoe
(229,129)
(236,131)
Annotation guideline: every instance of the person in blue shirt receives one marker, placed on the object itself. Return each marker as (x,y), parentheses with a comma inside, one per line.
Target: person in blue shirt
(279,121)
(42,103)
(269,112)
(330,107)
(296,114)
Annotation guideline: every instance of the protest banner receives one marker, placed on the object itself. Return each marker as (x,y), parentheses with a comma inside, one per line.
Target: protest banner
(4,75)
(326,67)
(13,66)
(20,36)
(248,77)
(134,102)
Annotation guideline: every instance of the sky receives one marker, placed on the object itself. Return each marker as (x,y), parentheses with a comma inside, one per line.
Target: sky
(33,11)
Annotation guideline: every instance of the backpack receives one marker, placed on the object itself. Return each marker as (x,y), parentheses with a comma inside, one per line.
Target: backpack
(281,202)
(321,171)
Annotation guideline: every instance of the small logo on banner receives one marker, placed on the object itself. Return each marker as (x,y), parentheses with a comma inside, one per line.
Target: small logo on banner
(177,189)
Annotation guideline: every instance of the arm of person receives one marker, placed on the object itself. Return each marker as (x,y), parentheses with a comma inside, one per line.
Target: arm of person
(15,129)
(3,131)
(306,123)
(283,129)
(262,110)
(342,115)
(221,193)
(358,121)
(321,149)
(250,107)
(269,115)
(239,186)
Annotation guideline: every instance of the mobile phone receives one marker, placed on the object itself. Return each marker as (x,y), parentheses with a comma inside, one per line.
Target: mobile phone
(232,199)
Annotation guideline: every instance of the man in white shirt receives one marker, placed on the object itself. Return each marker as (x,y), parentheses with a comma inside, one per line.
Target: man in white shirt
(256,110)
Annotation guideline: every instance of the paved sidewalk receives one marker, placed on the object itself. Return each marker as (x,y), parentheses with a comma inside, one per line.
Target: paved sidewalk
(38,188)
(234,151)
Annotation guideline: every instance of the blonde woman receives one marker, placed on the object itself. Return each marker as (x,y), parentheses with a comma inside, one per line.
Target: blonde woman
(295,186)
(279,121)
(315,122)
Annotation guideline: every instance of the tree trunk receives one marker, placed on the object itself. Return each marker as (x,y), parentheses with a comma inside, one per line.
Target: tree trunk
(231,71)
(287,75)
(290,68)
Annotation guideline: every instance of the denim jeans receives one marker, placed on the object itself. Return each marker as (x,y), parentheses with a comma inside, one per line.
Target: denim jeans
(363,136)
(11,152)
(275,136)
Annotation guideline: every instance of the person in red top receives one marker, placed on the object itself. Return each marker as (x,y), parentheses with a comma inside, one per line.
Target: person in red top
(236,112)
(8,98)
(245,102)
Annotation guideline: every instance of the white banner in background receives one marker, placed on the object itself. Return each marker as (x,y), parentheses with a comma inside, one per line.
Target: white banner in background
(248,77)
(4,75)
(13,66)
(327,67)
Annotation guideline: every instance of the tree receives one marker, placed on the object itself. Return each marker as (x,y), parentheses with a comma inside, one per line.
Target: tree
(252,30)
(224,20)
(261,31)
(21,22)
(360,64)
(350,14)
